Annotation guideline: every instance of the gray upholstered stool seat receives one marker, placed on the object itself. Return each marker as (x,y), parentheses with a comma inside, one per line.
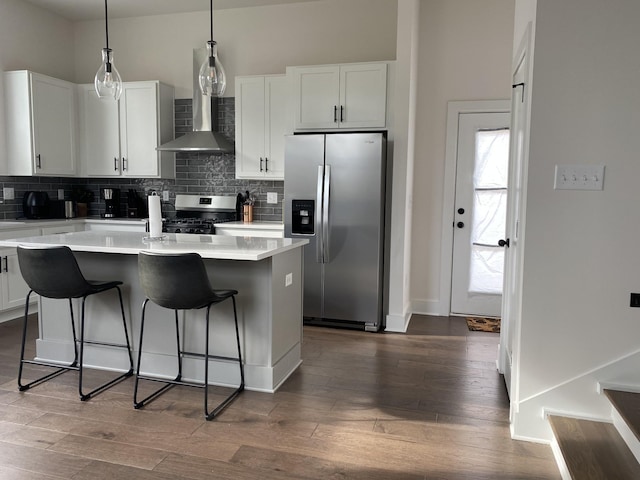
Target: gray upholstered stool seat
(53,272)
(180,282)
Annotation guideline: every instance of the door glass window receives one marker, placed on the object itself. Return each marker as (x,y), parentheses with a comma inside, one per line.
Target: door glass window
(489,210)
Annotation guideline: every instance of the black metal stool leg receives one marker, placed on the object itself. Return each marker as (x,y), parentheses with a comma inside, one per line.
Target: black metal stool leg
(59,369)
(168,383)
(119,378)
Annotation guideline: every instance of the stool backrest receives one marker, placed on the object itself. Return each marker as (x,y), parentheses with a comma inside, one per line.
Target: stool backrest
(177,281)
(52,272)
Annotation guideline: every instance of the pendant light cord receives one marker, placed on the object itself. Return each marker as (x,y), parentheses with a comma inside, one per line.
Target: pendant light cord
(211,15)
(106,23)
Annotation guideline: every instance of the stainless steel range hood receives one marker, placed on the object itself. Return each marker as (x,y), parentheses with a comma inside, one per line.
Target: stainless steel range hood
(205,136)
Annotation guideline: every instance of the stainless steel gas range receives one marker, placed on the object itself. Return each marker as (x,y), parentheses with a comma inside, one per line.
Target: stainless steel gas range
(199,213)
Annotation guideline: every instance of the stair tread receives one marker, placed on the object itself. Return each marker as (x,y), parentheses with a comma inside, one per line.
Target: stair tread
(594,450)
(628,406)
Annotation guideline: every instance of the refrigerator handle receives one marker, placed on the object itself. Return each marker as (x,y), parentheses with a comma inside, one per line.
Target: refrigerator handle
(318,215)
(325,214)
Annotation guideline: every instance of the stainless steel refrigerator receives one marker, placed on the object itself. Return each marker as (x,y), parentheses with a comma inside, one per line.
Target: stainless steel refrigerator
(334,192)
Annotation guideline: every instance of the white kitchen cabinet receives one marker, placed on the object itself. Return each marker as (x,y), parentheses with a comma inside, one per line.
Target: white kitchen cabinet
(13,289)
(261,116)
(346,96)
(40,124)
(120,138)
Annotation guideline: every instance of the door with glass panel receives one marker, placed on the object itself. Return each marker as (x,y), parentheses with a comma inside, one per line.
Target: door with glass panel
(480,214)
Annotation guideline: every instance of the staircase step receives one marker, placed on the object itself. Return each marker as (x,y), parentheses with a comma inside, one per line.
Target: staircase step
(593,450)
(628,406)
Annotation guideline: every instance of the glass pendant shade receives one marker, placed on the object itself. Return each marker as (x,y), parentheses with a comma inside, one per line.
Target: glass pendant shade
(213,80)
(108,83)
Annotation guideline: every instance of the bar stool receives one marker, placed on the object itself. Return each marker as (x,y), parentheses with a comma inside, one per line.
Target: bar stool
(53,272)
(180,282)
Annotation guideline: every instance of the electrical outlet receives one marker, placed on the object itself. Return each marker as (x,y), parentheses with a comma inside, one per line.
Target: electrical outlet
(288,279)
(165,196)
(635,300)
(61,194)
(8,193)
(272,197)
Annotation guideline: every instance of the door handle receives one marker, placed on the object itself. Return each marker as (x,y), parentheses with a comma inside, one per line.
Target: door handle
(504,243)
(460,224)
(319,214)
(266,164)
(124,163)
(115,163)
(326,234)
(6,264)
(260,163)
(341,113)
(38,161)
(335,114)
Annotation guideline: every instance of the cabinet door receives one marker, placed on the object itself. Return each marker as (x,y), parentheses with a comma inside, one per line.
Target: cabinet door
(316,96)
(275,125)
(363,95)
(53,121)
(250,127)
(139,129)
(99,134)
(14,288)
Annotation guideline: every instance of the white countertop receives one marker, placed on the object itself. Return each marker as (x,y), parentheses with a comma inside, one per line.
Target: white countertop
(131,243)
(252,225)
(27,223)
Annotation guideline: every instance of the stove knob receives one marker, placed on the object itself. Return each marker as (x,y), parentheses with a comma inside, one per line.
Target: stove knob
(177,230)
(190,230)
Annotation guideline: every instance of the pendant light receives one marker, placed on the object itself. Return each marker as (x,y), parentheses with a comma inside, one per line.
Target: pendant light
(108,83)
(212,78)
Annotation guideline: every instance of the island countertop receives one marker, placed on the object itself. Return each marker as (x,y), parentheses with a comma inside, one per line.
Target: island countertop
(131,243)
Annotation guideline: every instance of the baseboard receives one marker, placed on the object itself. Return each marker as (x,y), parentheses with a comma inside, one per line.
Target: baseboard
(626,433)
(17,312)
(427,307)
(562,465)
(620,386)
(397,323)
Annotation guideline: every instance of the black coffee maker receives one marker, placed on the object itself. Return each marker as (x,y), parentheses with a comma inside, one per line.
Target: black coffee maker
(35,205)
(111,198)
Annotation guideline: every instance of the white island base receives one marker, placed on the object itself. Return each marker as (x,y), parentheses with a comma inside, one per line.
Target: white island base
(269,310)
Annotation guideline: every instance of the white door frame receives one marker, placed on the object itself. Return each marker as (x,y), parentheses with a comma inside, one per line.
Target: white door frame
(454,110)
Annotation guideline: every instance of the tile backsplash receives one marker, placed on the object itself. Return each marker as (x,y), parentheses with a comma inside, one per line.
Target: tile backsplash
(196,173)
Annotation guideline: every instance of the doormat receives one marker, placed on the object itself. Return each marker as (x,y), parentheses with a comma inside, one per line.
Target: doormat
(483,324)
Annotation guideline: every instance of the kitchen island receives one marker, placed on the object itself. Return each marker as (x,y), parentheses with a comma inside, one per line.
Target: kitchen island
(267,272)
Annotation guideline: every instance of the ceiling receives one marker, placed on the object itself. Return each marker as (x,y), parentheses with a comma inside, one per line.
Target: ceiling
(78,10)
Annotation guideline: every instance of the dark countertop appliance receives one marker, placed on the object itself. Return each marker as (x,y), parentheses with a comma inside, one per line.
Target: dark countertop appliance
(35,205)
(111,197)
(198,214)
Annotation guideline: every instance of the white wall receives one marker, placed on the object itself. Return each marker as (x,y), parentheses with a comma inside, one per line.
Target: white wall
(465,54)
(580,259)
(259,40)
(32,39)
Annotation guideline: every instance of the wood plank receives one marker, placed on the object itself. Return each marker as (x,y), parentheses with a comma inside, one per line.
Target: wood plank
(593,450)
(628,405)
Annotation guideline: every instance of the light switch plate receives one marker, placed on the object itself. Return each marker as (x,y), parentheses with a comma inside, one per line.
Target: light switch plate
(288,279)
(165,195)
(61,194)
(579,177)
(8,193)
(272,197)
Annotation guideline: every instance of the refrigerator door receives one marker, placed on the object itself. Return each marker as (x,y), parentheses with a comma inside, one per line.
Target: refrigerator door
(355,217)
(304,171)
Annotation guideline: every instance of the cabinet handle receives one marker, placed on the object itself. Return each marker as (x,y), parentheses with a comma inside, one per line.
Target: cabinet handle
(260,163)
(335,114)
(115,163)
(341,113)
(38,161)
(6,264)
(266,164)
(124,163)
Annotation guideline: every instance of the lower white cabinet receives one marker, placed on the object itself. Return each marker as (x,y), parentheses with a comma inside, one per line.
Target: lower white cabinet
(13,288)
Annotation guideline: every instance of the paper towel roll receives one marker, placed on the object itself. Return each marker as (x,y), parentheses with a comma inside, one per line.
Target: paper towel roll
(155,217)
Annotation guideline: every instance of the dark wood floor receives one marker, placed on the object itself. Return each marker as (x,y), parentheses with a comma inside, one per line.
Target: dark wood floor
(428,404)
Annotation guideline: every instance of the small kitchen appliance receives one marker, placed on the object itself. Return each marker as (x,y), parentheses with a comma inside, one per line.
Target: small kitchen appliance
(111,198)
(199,213)
(35,205)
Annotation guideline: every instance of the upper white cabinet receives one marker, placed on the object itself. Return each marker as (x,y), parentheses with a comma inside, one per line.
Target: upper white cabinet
(352,96)
(40,124)
(120,138)
(260,126)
